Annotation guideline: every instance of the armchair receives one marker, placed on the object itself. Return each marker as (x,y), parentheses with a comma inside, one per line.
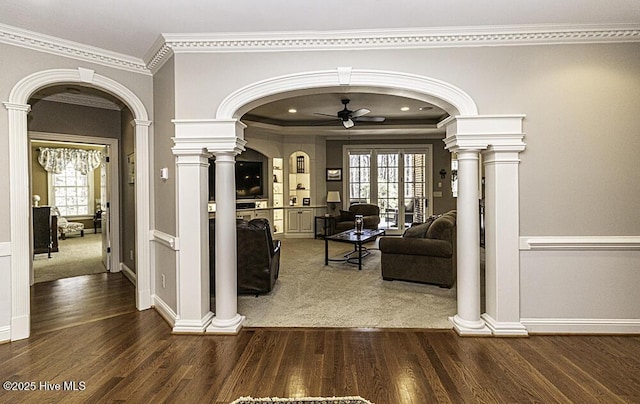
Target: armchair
(65,226)
(370,213)
(258,257)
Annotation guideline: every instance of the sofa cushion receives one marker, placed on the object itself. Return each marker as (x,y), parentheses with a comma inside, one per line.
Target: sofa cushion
(417,230)
(347,216)
(441,227)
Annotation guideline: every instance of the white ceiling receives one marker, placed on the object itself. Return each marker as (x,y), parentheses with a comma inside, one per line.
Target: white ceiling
(131,27)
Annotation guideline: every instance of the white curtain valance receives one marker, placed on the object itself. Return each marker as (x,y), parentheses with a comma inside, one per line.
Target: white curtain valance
(56,159)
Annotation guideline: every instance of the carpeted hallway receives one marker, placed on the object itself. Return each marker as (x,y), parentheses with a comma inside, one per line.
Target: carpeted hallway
(310,294)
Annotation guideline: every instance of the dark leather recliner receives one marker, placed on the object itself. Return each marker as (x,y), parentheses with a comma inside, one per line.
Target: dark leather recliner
(258,257)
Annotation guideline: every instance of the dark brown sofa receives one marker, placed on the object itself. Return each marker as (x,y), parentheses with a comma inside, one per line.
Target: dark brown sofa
(425,253)
(370,215)
(258,257)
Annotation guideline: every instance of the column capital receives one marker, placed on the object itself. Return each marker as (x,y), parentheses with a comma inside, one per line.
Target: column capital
(499,132)
(213,135)
(17,107)
(140,122)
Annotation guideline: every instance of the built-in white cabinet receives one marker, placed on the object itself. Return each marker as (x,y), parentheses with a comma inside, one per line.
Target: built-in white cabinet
(299,221)
(278,195)
(299,179)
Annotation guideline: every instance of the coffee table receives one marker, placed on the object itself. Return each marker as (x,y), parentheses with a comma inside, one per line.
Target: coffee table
(357,239)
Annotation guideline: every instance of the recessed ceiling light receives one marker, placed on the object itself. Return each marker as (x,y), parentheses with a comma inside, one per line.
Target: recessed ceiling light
(405,109)
(425,108)
(292,110)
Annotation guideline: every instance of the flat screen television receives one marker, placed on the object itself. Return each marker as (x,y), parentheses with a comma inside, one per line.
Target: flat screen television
(249,179)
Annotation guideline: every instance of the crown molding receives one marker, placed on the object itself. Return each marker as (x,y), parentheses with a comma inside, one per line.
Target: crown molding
(390,39)
(61,47)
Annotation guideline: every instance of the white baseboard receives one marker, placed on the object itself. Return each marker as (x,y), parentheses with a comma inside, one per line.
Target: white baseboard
(129,274)
(505,329)
(581,326)
(5,334)
(192,326)
(164,310)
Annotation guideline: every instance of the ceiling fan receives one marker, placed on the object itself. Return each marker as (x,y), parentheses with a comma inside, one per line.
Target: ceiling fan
(348,117)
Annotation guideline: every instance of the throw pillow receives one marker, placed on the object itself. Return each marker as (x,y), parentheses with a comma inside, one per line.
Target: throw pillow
(417,230)
(347,216)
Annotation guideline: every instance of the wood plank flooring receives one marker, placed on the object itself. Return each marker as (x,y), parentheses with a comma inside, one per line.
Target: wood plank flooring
(133,357)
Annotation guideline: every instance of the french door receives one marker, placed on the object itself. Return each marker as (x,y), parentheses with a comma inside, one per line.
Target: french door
(397,180)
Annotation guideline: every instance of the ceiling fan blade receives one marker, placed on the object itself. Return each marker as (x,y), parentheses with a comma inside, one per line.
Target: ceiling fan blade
(359,112)
(348,123)
(371,119)
(321,114)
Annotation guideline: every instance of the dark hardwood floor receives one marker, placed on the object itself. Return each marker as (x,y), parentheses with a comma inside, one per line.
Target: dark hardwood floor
(133,357)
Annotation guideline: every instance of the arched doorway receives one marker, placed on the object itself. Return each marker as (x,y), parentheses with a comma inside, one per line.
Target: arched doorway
(19,178)
(468,134)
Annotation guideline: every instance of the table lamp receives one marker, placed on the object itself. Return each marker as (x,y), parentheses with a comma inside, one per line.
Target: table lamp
(333,197)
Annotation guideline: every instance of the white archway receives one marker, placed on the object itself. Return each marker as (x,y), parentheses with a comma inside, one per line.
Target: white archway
(498,137)
(19,189)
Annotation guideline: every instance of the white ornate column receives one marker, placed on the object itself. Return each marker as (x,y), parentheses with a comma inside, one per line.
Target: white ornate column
(193,314)
(227,320)
(468,321)
(143,221)
(20,223)
(502,138)
(194,142)
(502,232)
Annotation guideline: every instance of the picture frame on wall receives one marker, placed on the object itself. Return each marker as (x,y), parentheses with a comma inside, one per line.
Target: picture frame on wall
(334,174)
(306,201)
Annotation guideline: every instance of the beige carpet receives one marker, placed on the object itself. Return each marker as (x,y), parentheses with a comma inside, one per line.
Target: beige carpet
(77,256)
(310,294)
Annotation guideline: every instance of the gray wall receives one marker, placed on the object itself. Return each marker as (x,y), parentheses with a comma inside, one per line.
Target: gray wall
(57,117)
(580,101)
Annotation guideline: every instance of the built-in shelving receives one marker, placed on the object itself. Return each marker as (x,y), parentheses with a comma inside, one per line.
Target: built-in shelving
(278,195)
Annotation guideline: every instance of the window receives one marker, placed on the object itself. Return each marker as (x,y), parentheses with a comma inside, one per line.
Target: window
(397,180)
(71,190)
(359,177)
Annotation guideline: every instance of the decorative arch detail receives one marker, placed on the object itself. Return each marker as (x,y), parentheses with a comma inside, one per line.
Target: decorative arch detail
(447,96)
(18,108)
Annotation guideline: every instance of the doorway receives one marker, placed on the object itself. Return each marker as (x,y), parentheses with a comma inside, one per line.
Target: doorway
(78,192)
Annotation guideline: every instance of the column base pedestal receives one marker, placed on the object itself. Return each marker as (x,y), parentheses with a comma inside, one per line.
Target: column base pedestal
(226,327)
(466,328)
(182,326)
(505,329)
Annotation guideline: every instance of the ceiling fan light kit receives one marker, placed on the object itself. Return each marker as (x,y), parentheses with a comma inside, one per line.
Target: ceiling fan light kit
(349,118)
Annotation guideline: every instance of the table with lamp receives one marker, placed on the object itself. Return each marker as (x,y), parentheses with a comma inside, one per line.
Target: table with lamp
(327,222)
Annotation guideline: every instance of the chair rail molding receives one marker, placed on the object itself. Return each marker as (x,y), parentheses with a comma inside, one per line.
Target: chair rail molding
(580,243)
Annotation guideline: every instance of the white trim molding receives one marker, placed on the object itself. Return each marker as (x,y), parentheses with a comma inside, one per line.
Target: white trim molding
(580,243)
(504,329)
(5,249)
(128,273)
(166,240)
(165,311)
(62,47)
(406,38)
(5,334)
(581,326)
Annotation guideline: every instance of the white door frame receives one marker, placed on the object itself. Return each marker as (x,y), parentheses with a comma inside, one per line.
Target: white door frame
(114,181)
(20,200)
